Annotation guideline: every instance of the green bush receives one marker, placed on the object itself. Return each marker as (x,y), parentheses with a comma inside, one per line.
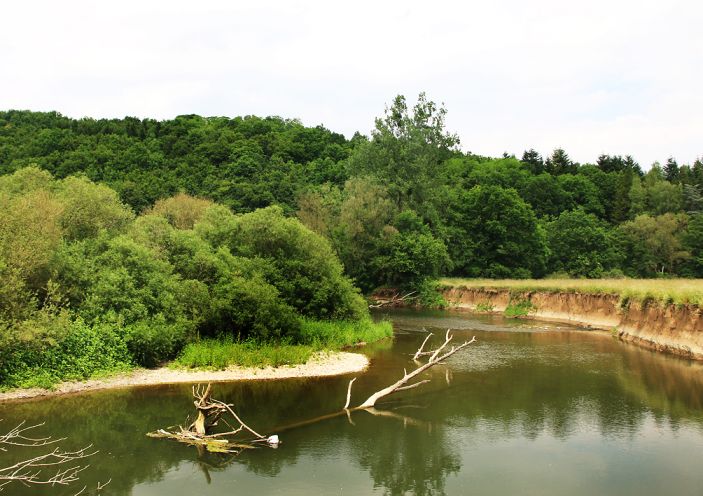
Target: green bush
(154,340)
(519,308)
(83,352)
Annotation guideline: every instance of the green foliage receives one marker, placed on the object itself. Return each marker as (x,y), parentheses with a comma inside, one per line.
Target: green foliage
(154,340)
(407,152)
(219,354)
(79,351)
(325,334)
(409,253)
(653,245)
(485,307)
(300,264)
(315,336)
(81,272)
(519,307)
(581,245)
(495,233)
(429,295)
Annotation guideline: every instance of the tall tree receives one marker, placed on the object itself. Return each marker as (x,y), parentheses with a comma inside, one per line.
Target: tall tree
(560,163)
(671,170)
(407,152)
(533,160)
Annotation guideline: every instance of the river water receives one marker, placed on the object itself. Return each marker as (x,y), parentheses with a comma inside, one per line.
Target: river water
(532,409)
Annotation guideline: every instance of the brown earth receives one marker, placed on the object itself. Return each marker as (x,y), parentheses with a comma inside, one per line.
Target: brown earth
(669,328)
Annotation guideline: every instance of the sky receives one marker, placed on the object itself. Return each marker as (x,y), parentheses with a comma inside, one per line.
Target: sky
(602,76)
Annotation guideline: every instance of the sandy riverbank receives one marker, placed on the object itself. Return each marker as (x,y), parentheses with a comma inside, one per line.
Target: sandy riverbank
(324,364)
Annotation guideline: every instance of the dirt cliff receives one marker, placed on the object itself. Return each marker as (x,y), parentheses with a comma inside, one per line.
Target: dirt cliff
(669,328)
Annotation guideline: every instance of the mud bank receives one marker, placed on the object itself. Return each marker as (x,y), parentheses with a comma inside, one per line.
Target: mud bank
(669,328)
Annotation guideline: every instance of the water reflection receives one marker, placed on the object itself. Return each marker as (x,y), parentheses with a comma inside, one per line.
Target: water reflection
(530,403)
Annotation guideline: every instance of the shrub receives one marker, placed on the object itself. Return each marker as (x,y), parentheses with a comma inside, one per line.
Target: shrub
(80,352)
(152,341)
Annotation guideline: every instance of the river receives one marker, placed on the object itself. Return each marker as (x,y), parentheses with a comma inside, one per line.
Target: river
(532,408)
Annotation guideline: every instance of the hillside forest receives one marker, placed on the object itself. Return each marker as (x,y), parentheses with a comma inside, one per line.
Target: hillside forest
(134,236)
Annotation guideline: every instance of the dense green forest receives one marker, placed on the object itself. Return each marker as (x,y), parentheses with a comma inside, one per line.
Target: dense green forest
(125,239)
(88,286)
(400,206)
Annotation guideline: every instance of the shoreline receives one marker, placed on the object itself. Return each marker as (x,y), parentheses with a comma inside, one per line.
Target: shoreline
(320,365)
(665,327)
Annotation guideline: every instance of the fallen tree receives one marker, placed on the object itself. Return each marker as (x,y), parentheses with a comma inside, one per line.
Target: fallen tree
(209,412)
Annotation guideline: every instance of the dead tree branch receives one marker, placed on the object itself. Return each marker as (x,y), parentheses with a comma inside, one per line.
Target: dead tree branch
(209,412)
(394,300)
(33,470)
(401,385)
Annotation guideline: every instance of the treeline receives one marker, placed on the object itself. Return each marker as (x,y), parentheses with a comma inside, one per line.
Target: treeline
(400,207)
(89,286)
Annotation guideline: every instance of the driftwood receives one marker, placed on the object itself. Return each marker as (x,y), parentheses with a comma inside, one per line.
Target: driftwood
(436,356)
(209,412)
(394,300)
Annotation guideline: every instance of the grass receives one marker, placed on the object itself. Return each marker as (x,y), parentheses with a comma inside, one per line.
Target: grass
(668,291)
(316,336)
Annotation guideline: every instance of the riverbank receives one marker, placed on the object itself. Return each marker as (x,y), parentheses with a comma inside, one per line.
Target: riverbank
(321,365)
(664,315)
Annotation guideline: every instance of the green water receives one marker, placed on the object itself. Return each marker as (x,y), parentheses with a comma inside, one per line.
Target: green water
(531,408)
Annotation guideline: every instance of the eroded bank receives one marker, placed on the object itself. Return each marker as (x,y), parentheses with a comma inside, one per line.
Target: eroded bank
(669,328)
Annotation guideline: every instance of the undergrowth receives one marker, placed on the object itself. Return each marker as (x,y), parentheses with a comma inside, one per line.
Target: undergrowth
(315,336)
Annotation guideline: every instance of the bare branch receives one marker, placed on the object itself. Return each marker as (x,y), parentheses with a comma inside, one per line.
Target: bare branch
(30,471)
(419,352)
(436,358)
(346,405)
(393,301)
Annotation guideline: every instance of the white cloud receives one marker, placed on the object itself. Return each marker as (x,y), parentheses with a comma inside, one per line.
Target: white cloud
(600,76)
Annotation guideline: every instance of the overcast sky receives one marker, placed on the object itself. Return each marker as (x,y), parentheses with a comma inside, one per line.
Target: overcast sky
(597,76)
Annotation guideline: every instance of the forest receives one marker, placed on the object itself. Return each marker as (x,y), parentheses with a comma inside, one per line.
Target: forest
(398,207)
(128,238)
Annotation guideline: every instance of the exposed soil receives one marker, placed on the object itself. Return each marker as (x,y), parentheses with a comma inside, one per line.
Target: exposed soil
(669,328)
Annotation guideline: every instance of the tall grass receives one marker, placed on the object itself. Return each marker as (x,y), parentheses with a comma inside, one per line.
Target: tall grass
(325,334)
(676,291)
(315,336)
(225,352)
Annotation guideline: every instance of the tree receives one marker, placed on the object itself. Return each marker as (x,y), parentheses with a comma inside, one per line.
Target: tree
(533,160)
(560,163)
(90,208)
(409,253)
(671,170)
(693,242)
(494,233)
(664,197)
(182,210)
(653,244)
(406,153)
(581,245)
(300,264)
